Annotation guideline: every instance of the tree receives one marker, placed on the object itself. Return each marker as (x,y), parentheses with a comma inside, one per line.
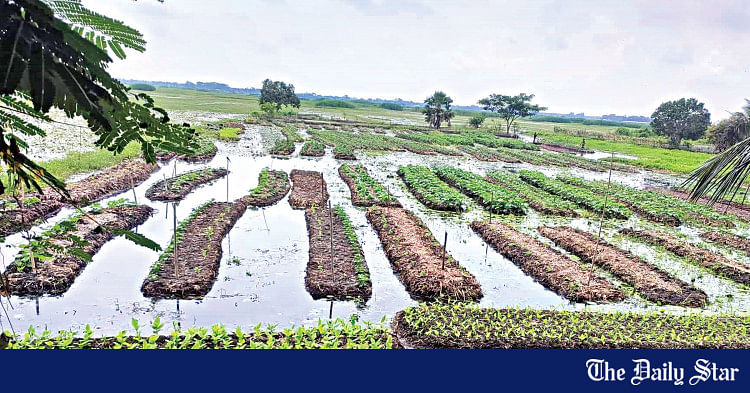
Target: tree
(477,120)
(681,119)
(730,131)
(511,108)
(55,54)
(724,175)
(437,109)
(278,93)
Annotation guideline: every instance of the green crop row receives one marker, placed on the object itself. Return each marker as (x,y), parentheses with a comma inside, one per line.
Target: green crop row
(290,133)
(466,325)
(312,148)
(655,205)
(364,183)
(430,190)
(583,197)
(493,197)
(329,334)
(363,275)
(546,202)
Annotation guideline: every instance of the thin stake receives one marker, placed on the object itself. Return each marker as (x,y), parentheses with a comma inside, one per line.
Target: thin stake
(263,210)
(228,182)
(132,187)
(174,229)
(491,203)
(330,218)
(330,311)
(445,243)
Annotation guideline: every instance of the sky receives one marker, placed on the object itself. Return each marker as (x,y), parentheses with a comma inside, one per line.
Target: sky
(597,57)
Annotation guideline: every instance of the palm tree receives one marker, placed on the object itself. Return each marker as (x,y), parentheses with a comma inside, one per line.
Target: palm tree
(724,174)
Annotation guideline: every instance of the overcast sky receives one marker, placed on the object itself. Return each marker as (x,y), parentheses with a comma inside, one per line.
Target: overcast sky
(597,57)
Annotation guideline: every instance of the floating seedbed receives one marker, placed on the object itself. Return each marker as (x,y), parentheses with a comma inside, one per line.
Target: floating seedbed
(549,267)
(652,205)
(425,269)
(272,186)
(308,189)
(365,190)
(728,240)
(491,196)
(336,268)
(312,148)
(343,152)
(537,198)
(189,266)
(722,206)
(430,190)
(716,263)
(654,284)
(51,261)
(175,188)
(111,181)
(17,217)
(441,325)
(581,196)
(205,151)
(282,147)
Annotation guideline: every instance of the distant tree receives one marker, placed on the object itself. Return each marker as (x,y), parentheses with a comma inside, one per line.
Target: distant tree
(731,131)
(391,106)
(278,93)
(437,109)
(477,120)
(681,119)
(511,108)
(142,86)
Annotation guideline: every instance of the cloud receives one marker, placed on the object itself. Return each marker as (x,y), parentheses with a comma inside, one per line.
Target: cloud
(580,56)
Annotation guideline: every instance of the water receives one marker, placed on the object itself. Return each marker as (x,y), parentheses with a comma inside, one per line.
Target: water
(261,278)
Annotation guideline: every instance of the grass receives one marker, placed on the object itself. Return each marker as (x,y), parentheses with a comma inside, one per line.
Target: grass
(673,160)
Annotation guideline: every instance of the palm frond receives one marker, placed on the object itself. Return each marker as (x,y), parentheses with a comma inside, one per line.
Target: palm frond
(721,176)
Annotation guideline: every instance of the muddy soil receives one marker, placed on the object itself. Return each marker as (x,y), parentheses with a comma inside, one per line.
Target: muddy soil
(723,266)
(417,257)
(651,282)
(734,208)
(269,195)
(728,240)
(548,266)
(308,189)
(20,219)
(168,190)
(198,254)
(55,276)
(332,273)
(111,181)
